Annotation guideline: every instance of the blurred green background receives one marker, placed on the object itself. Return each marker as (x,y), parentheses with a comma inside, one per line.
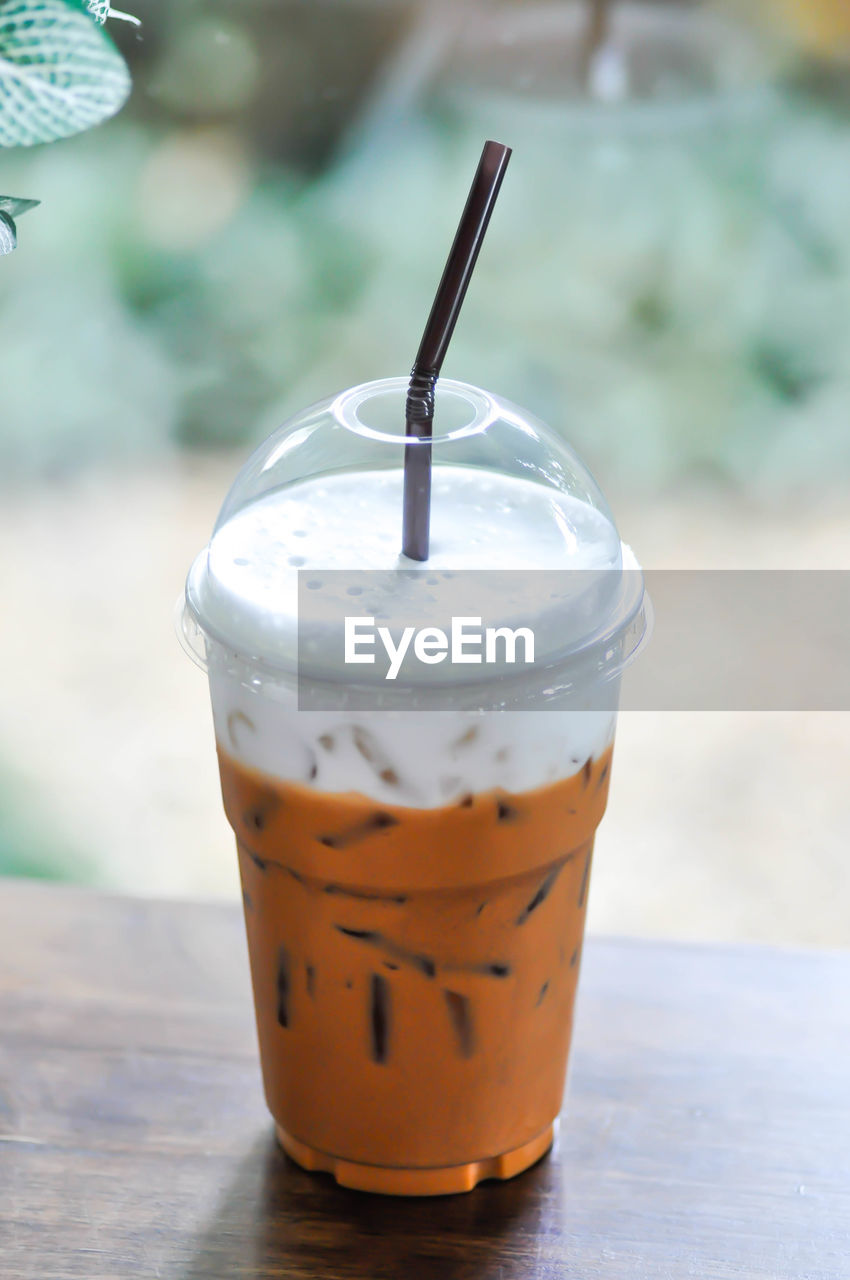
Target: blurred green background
(666,280)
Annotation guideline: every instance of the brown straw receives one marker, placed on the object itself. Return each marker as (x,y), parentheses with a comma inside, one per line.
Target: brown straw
(419,408)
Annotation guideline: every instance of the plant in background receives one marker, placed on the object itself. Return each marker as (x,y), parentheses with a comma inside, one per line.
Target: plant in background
(11,207)
(59,74)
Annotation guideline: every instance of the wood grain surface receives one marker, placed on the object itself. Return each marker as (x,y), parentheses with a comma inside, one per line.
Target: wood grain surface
(706,1131)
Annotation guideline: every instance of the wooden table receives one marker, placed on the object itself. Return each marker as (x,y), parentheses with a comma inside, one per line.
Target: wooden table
(706,1132)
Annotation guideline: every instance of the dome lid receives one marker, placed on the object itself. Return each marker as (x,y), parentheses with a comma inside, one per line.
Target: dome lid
(323,496)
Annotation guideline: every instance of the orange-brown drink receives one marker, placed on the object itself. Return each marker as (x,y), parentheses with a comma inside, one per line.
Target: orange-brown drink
(414,839)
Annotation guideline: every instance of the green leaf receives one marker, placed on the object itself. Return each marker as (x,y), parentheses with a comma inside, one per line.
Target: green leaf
(8,238)
(59,73)
(12,207)
(16,205)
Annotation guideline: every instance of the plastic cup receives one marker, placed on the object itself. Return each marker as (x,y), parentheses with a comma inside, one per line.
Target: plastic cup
(415,880)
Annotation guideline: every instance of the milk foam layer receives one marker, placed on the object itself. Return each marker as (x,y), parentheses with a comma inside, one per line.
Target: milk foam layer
(480,520)
(420,759)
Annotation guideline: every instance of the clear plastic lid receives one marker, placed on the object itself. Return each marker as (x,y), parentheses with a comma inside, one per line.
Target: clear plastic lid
(324,493)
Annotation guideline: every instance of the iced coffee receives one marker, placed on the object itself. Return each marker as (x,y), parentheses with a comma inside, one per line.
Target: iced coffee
(415,882)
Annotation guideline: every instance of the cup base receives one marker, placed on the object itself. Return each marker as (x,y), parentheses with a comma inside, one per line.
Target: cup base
(446,1181)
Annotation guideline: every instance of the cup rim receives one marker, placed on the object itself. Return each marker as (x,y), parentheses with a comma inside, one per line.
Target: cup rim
(595,659)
